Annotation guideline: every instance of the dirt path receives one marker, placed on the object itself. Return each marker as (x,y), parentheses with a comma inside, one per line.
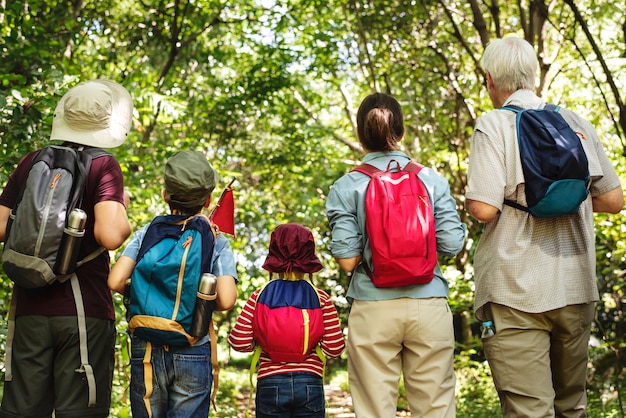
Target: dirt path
(339,403)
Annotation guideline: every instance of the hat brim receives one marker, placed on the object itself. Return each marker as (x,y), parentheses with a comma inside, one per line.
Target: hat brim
(188,203)
(111,137)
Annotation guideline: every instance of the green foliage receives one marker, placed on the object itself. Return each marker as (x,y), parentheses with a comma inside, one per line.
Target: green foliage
(476,396)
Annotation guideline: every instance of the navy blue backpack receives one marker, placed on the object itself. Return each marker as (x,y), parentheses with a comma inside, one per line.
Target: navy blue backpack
(555,166)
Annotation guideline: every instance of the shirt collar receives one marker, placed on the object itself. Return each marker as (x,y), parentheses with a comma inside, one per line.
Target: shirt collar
(382,158)
(526,99)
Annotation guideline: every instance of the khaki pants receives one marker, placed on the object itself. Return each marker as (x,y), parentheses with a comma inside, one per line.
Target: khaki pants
(412,337)
(539,361)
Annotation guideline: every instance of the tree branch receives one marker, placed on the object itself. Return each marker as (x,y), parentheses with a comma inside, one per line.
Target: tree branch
(609,78)
(356,147)
(363,38)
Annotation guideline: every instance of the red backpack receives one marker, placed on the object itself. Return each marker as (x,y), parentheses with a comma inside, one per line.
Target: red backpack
(288,321)
(400,224)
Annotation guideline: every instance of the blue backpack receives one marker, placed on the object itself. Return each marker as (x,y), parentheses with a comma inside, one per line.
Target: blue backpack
(555,166)
(175,252)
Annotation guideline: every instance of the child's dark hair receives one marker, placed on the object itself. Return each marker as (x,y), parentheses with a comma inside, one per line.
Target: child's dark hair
(183,210)
(380,122)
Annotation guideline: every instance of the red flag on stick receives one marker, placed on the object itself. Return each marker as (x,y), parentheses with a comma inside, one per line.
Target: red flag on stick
(223,214)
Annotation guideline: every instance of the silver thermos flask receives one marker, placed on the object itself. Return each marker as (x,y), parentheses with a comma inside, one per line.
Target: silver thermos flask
(205,304)
(70,243)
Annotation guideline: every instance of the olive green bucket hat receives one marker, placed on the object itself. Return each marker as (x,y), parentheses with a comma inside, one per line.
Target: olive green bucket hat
(189,179)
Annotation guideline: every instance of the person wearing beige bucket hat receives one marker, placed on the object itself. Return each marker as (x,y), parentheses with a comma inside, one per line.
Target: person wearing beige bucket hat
(96,113)
(46,348)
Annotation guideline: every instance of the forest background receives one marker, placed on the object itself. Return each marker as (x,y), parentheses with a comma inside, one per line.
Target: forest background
(268,89)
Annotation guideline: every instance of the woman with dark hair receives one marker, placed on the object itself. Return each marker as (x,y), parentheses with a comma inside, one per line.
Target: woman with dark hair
(394,331)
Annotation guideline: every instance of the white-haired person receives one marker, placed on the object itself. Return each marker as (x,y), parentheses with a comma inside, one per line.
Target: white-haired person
(535,277)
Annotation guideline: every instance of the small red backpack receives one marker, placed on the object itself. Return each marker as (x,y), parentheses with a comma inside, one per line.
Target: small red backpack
(400,224)
(288,321)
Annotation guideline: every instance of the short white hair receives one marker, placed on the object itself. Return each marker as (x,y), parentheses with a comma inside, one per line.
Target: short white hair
(512,63)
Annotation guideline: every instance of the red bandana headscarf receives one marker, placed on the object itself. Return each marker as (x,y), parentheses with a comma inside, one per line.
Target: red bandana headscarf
(292,248)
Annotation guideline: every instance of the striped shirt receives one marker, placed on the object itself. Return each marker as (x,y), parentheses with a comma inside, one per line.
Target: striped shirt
(241,338)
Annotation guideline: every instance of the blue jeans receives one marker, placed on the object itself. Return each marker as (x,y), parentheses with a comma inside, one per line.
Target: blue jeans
(290,395)
(181,381)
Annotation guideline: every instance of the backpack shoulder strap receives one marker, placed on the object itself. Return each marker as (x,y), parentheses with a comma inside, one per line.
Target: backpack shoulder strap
(412,166)
(83,159)
(256,355)
(518,111)
(93,153)
(96,152)
(371,170)
(512,108)
(549,106)
(367,169)
(85,367)
(215,363)
(515,205)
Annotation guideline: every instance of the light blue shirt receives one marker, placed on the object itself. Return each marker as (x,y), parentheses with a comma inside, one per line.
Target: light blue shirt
(345,209)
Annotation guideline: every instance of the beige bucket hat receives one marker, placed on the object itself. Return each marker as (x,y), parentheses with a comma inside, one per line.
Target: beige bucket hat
(95,113)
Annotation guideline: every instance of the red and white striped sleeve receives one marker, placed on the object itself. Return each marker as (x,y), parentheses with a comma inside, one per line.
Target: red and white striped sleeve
(241,337)
(333,342)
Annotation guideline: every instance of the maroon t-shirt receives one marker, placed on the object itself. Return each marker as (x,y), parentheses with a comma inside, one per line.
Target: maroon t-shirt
(105,182)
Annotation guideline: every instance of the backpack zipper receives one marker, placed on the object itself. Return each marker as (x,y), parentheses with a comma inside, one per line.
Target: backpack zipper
(305,316)
(46,212)
(424,224)
(181,274)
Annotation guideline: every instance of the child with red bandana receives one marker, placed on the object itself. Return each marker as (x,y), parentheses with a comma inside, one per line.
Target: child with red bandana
(290,386)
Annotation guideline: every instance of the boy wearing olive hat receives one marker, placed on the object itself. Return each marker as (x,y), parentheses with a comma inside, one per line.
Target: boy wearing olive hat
(181,382)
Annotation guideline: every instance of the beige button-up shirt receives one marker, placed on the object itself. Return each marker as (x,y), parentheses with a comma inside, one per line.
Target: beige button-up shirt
(527,263)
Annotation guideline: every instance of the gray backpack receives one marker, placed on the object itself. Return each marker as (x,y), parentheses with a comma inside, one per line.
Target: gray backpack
(53,188)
